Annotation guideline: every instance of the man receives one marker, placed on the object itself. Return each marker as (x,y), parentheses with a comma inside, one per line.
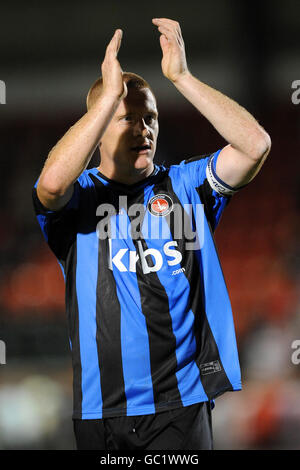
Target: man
(150,321)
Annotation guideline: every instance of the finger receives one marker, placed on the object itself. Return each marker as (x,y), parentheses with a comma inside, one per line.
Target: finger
(115,42)
(119,35)
(165,20)
(170,31)
(163,41)
(166,30)
(169,34)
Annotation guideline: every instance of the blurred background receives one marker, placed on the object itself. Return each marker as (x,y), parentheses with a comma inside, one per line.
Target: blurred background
(50,54)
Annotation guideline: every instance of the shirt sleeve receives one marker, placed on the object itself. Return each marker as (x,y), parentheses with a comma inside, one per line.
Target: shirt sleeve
(59,227)
(214,193)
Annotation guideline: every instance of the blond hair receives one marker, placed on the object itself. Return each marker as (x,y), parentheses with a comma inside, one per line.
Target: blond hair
(132,80)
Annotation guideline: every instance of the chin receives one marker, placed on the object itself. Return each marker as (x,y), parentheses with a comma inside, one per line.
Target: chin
(142,162)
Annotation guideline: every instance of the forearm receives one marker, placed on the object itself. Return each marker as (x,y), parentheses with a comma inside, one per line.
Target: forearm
(71,155)
(236,125)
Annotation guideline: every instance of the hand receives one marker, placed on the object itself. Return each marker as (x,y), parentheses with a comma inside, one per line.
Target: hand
(113,83)
(173,63)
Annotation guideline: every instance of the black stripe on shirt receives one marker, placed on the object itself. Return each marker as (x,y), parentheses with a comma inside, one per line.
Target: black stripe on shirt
(108,319)
(196,158)
(73,326)
(162,341)
(61,228)
(206,347)
(108,337)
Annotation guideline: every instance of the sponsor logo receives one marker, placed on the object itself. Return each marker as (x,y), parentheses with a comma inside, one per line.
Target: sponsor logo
(160,205)
(178,271)
(151,259)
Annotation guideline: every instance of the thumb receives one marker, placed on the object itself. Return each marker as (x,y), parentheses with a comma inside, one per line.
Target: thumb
(164,43)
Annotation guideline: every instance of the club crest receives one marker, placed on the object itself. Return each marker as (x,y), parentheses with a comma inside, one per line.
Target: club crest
(160,205)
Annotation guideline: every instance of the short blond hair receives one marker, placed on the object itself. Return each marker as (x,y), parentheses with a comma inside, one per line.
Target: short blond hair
(132,80)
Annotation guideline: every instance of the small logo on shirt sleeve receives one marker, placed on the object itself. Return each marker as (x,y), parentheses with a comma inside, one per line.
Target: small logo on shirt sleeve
(210,368)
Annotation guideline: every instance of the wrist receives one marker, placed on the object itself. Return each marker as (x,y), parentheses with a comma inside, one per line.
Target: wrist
(107,100)
(181,78)
(110,97)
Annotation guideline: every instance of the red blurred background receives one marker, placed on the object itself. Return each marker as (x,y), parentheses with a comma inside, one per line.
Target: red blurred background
(233,47)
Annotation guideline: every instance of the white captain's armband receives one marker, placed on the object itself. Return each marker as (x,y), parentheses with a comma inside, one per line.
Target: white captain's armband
(215,182)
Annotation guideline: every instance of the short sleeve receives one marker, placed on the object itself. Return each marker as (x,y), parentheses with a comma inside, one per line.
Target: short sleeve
(214,193)
(59,227)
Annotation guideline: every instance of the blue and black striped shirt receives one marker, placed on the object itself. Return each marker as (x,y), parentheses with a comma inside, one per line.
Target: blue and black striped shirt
(149,317)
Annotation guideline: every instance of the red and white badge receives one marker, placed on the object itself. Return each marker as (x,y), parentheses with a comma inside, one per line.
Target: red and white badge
(160,205)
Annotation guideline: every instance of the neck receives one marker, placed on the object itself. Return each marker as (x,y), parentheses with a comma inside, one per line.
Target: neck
(126,175)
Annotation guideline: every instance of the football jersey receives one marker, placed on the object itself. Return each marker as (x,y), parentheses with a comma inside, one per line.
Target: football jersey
(149,317)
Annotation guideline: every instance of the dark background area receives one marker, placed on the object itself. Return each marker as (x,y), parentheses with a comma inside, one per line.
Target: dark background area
(50,54)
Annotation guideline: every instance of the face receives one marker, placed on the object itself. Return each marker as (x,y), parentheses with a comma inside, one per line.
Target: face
(129,142)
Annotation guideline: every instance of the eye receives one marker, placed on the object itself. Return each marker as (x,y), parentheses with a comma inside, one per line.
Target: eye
(127,118)
(149,119)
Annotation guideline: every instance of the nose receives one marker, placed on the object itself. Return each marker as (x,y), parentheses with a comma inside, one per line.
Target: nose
(141,128)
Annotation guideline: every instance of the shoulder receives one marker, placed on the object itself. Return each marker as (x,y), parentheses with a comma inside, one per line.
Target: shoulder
(80,192)
(191,170)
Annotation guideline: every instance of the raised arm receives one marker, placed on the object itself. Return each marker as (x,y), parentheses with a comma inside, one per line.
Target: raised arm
(71,155)
(248,143)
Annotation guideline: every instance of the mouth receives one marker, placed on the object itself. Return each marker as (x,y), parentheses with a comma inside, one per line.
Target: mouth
(142,148)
